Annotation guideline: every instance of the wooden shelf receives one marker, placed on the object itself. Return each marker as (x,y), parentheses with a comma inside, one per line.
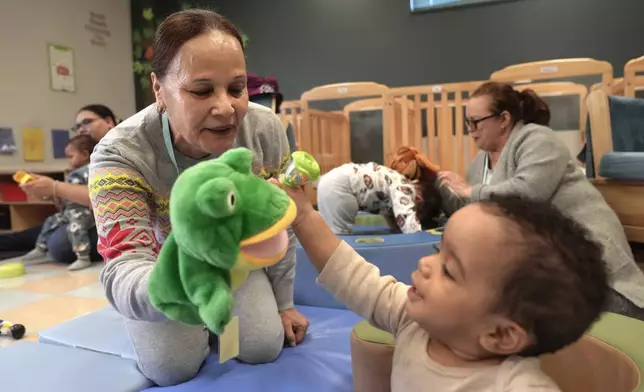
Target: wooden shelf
(23,203)
(23,214)
(48,169)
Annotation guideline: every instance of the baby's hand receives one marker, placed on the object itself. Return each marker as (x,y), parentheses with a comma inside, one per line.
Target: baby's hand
(300,198)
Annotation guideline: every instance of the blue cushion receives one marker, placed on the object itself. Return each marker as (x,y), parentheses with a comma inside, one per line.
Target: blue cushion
(322,363)
(34,367)
(627,123)
(622,165)
(324,358)
(371,229)
(397,255)
(627,132)
(102,331)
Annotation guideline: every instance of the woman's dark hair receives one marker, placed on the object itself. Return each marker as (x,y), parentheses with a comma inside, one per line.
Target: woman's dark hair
(100,110)
(83,143)
(524,105)
(182,26)
(409,162)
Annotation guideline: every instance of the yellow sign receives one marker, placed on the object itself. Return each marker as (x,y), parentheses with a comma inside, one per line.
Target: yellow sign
(33,144)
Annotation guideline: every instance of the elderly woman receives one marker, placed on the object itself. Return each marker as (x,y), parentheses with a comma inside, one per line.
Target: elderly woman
(201,111)
(519,155)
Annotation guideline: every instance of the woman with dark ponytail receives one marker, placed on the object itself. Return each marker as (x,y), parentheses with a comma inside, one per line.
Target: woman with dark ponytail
(521,156)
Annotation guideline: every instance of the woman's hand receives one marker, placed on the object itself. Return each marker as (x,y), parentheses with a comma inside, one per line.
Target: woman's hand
(295,326)
(39,186)
(300,198)
(456,183)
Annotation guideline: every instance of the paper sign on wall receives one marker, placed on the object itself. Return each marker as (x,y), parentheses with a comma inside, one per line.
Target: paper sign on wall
(33,144)
(61,68)
(7,142)
(59,139)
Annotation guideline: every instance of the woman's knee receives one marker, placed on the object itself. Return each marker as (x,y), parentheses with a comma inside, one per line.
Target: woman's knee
(168,353)
(260,325)
(264,345)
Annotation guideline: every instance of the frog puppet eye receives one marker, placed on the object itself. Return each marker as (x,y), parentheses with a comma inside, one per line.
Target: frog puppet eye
(218,198)
(232,199)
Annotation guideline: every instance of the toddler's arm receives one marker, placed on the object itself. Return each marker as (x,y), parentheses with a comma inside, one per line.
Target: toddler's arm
(352,280)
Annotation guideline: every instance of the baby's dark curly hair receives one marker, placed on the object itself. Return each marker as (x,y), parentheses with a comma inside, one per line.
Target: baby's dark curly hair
(558,283)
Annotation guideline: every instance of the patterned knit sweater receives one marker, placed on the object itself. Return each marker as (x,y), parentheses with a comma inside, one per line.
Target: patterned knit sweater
(131,175)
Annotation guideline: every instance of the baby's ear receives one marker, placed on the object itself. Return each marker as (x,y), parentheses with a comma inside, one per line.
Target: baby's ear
(505,337)
(240,159)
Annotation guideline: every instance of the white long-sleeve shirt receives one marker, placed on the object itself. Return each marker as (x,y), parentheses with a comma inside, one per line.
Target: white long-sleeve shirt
(381,300)
(381,190)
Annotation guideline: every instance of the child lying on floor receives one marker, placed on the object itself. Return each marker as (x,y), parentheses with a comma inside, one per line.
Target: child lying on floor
(405,193)
(514,279)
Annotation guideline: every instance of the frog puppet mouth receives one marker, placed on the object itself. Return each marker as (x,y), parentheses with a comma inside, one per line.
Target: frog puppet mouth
(269,246)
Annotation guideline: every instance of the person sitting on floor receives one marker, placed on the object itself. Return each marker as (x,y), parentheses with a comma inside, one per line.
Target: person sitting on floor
(95,120)
(513,279)
(78,218)
(405,193)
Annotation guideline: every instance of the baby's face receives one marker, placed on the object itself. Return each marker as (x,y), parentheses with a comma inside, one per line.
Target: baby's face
(453,291)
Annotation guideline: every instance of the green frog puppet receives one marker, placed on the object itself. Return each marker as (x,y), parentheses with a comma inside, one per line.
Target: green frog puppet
(226,221)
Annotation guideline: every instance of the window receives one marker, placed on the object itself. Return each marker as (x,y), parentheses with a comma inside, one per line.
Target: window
(428,5)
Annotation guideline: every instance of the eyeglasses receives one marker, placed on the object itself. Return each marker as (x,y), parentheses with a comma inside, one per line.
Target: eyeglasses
(84,123)
(473,124)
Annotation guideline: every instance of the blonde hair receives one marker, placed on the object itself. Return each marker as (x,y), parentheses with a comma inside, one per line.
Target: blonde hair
(412,164)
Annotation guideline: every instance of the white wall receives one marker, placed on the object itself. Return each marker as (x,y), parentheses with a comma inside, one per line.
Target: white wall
(103,73)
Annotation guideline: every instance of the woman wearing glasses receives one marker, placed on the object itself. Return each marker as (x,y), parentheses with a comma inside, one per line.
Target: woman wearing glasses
(520,155)
(95,120)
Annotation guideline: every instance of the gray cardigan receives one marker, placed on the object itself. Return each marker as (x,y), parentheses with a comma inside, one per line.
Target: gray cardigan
(535,163)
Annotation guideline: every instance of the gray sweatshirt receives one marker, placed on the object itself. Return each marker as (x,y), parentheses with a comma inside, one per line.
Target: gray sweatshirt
(131,175)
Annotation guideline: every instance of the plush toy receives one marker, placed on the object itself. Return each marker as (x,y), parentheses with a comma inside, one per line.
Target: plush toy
(225,222)
(16,331)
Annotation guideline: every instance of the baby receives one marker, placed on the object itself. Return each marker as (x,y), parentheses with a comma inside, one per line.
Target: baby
(514,279)
(79,219)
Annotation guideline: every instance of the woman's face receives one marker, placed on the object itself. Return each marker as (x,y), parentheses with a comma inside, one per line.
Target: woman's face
(488,129)
(204,93)
(92,124)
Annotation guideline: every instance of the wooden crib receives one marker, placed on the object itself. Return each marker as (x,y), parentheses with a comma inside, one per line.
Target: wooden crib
(436,125)
(631,83)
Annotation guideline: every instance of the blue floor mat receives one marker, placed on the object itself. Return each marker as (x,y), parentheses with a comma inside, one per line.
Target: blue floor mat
(322,363)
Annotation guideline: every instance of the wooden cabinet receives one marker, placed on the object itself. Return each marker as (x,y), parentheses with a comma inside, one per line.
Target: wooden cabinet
(17,210)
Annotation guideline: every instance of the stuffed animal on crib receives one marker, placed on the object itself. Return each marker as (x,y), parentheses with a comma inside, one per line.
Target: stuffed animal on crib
(16,331)
(226,221)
